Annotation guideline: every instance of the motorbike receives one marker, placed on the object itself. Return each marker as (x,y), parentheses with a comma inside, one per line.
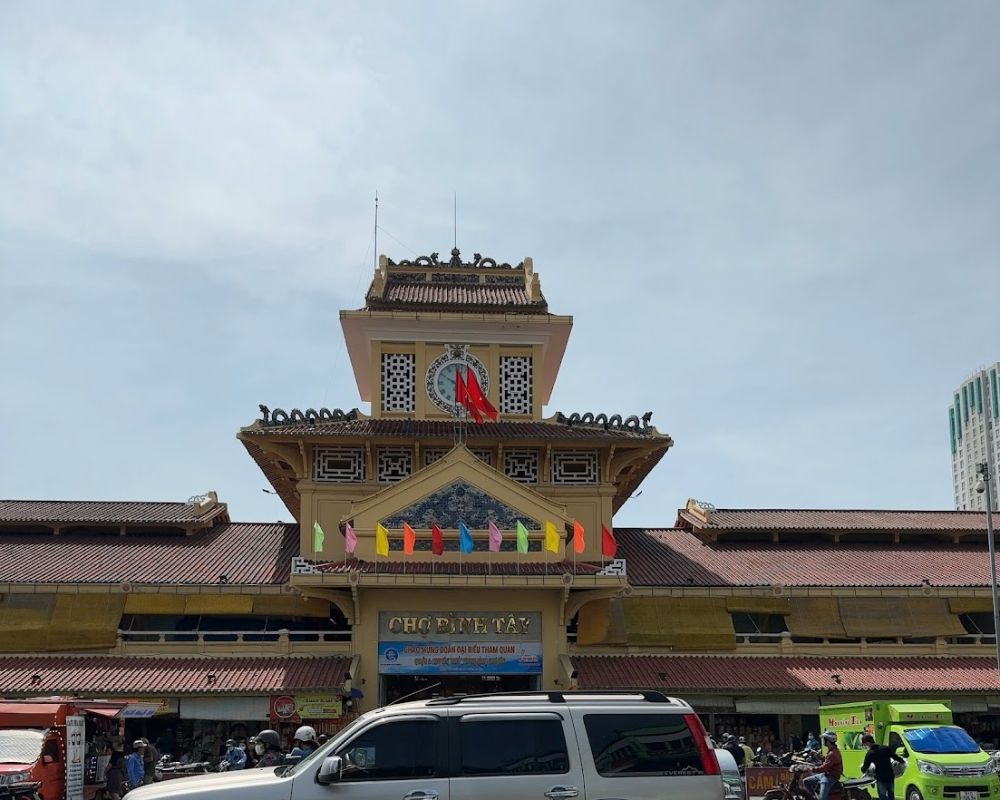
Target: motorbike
(762,759)
(795,789)
(166,768)
(20,791)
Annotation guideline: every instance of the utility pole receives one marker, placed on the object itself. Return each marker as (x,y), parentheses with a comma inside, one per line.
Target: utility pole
(985,479)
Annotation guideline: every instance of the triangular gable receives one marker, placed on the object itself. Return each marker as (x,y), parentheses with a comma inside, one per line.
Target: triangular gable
(456,485)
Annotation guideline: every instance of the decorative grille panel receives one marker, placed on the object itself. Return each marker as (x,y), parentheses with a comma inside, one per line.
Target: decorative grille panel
(484,454)
(515,384)
(521,465)
(394,464)
(339,464)
(575,467)
(399,382)
(432,454)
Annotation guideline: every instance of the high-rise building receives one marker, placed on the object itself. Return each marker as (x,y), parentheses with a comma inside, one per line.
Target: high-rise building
(974,418)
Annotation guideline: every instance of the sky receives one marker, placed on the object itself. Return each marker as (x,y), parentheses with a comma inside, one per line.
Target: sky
(776,225)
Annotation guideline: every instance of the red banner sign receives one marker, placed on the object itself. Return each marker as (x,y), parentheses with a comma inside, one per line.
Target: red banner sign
(760,779)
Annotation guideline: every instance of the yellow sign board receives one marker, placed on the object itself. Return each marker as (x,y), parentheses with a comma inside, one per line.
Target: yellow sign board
(319,706)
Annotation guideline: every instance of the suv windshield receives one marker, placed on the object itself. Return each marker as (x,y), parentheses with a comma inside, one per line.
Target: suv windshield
(20,746)
(946,739)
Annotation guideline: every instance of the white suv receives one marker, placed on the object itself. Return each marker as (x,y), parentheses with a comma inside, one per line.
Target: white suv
(554,745)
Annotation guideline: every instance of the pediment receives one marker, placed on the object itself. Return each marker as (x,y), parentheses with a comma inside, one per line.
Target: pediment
(457,487)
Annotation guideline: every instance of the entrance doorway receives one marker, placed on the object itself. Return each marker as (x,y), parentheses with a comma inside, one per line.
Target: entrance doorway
(395,687)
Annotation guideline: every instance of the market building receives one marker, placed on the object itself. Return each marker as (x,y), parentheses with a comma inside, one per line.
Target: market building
(756,616)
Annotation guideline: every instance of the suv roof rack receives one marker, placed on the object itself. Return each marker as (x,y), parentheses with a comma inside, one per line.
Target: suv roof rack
(650,696)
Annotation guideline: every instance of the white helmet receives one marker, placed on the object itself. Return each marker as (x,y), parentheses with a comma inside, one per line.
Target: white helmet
(305,734)
(830,736)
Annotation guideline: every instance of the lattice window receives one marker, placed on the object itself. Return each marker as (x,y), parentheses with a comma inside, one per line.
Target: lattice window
(339,464)
(484,454)
(515,384)
(432,454)
(399,382)
(521,465)
(394,464)
(575,467)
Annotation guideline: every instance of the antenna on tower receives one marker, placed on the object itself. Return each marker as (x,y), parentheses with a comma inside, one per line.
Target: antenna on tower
(375,256)
(454,211)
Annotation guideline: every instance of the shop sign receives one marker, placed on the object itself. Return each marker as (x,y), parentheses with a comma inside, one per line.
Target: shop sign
(295,708)
(75,751)
(460,643)
(760,779)
(143,709)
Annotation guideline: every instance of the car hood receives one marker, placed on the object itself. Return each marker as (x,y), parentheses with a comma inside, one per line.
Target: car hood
(242,783)
(8,767)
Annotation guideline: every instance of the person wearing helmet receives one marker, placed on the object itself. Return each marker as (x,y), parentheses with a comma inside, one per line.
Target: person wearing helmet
(829,772)
(747,751)
(134,767)
(234,758)
(268,749)
(305,742)
(729,744)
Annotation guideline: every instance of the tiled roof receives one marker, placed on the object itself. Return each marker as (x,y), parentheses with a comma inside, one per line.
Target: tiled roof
(739,674)
(397,567)
(674,557)
(445,430)
(43,512)
(461,296)
(751,519)
(246,553)
(138,675)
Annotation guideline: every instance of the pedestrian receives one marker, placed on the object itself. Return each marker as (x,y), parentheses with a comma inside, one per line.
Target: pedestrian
(135,767)
(829,772)
(812,743)
(114,776)
(881,757)
(149,758)
(747,751)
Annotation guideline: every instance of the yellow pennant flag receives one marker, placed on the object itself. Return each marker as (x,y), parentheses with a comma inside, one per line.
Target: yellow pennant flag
(551,537)
(381,540)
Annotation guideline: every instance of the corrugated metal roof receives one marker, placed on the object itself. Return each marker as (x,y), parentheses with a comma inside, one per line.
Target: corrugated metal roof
(729,674)
(111,512)
(754,519)
(246,553)
(131,675)
(675,557)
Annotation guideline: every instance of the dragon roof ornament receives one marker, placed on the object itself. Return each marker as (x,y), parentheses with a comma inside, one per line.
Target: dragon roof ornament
(456,261)
(279,416)
(614,422)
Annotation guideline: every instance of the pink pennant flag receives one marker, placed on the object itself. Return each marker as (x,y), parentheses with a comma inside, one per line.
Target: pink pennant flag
(350,539)
(496,538)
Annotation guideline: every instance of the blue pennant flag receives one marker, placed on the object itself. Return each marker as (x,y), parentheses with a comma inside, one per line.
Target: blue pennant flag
(465,543)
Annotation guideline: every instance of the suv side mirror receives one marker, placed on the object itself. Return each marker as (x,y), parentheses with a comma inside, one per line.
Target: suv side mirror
(902,752)
(330,771)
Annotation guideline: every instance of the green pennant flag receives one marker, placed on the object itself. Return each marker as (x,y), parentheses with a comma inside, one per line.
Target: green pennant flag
(522,538)
(318,537)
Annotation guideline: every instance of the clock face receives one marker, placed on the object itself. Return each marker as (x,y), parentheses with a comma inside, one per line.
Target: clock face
(442,375)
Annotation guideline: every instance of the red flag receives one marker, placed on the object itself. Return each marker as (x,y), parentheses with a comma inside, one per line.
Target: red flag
(409,539)
(609,545)
(475,392)
(437,540)
(463,399)
(579,544)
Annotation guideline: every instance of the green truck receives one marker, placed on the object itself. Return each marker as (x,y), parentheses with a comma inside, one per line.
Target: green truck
(942,761)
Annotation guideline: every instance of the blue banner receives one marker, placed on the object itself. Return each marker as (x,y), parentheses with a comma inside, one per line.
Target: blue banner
(460,658)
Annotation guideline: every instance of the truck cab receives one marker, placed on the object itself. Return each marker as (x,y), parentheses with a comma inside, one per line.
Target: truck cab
(942,761)
(33,755)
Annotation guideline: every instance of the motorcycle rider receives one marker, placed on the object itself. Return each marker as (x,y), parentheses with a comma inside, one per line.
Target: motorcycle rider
(268,749)
(829,772)
(747,751)
(812,743)
(881,757)
(305,742)
(729,743)
(234,758)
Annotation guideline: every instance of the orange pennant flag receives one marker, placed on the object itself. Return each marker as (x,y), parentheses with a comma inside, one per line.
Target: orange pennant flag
(409,539)
(579,543)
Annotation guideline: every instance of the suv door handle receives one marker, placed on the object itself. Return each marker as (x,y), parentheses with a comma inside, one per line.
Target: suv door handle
(420,795)
(560,792)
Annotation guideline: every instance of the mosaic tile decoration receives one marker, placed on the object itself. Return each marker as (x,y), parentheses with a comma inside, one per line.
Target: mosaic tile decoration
(460,502)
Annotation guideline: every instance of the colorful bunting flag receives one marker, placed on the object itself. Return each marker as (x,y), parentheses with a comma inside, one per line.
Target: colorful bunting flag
(465,543)
(609,545)
(381,540)
(496,538)
(579,543)
(551,537)
(479,400)
(350,539)
(318,537)
(409,539)
(522,537)
(437,540)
